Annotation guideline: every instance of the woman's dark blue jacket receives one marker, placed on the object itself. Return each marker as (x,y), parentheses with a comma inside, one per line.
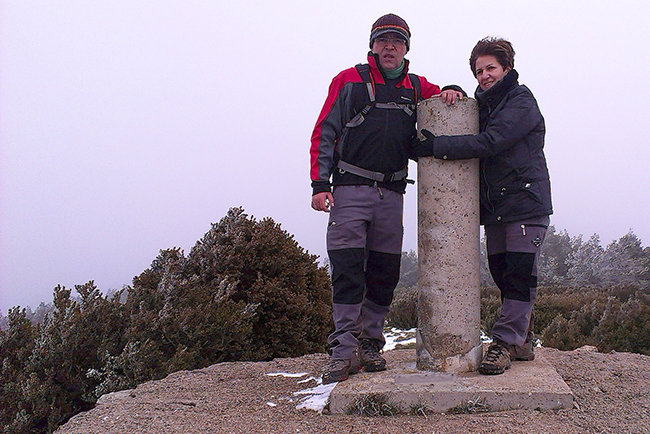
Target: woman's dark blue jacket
(515,183)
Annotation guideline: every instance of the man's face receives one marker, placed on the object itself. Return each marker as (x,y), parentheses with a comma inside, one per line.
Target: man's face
(391,49)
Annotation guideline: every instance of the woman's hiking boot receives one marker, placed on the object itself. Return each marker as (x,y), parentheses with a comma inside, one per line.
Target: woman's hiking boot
(496,359)
(370,357)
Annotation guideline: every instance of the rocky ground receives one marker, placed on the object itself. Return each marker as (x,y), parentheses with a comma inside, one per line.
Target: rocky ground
(612,395)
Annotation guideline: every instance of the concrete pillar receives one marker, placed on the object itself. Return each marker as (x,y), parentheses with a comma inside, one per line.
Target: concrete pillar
(449,311)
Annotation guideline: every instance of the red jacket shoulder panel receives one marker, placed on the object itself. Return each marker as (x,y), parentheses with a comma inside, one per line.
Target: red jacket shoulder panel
(428,89)
(329,115)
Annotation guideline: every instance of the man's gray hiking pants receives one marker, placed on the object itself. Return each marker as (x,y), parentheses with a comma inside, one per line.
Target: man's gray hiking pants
(513,253)
(364,244)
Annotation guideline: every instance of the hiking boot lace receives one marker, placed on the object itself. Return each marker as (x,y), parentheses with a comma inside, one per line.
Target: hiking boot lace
(369,347)
(495,352)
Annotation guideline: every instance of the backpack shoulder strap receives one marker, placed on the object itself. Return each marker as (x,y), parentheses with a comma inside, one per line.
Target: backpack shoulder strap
(364,71)
(415,81)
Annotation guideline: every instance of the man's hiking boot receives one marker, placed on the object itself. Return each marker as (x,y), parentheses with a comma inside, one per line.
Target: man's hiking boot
(496,360)
(525,352)
(355,365)
(370,357)
(336,370)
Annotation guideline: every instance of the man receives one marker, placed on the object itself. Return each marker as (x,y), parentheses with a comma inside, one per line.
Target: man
(362,140)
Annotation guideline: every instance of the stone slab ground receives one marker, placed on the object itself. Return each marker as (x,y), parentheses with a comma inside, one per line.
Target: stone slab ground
(526,385)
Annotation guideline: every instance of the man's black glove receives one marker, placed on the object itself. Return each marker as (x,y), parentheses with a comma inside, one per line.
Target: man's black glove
(424,148)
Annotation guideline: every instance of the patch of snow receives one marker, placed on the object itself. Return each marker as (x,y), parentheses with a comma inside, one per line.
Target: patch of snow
(287,374)
(308,379)
(315,398)
(271,404)
(396,336)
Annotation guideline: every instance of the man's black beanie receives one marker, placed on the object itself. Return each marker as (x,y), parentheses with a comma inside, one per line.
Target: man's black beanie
(390,23)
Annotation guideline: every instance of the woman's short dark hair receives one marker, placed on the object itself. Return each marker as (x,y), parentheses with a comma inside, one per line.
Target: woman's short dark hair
(499,48)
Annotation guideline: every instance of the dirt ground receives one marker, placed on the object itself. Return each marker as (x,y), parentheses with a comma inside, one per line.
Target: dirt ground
(612,395)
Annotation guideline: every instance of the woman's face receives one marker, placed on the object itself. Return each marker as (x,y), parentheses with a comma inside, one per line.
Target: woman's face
(488,71)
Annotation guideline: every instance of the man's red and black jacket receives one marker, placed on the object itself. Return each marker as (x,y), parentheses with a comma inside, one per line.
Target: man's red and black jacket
(380,143)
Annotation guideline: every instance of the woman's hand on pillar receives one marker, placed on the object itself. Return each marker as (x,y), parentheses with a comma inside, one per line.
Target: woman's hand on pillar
(424,148)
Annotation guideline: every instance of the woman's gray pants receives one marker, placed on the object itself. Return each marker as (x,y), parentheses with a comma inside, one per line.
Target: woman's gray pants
(513,253)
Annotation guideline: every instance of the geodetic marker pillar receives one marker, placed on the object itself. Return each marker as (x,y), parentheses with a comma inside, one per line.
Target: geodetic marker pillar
(449,311)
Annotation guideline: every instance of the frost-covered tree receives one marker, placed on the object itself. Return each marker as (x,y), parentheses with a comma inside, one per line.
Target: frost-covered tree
(553,263)
(625,261)
(585,261)
(408,272)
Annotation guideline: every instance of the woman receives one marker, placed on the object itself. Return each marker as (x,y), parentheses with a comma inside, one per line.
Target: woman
(515,193)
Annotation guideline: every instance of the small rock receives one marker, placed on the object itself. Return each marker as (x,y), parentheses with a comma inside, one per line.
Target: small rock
(586,349)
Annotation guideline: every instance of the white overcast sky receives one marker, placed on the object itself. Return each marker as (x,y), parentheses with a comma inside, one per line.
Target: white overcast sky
(129,126)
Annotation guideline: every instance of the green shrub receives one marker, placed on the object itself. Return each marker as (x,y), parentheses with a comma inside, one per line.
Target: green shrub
(271,281)
(625,326)
(490,307)
(593,316)
(403,313)
(50,384)
(16,346)
(247,291)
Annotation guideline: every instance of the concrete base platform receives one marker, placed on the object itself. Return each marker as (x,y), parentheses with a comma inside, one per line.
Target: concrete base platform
(531,385)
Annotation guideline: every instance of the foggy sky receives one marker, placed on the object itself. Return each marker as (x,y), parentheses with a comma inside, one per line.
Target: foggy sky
(127,127)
